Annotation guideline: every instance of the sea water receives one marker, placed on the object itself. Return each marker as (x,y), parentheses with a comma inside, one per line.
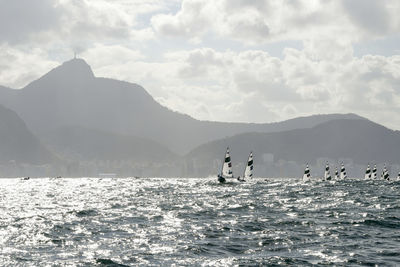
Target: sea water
(155,221)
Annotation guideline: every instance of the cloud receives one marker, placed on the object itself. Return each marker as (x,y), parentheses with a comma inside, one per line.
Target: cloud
(209,58)
(20,19)
(254,22)
(19,67)
(75,22)
(372,16)
(253,86)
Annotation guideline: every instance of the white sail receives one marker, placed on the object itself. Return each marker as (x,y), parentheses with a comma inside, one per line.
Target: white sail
(327,174)
(374,173)
(227,166)
(368,173)
(398,176)
(336,174)
(343,173)
(307,174)
(248,172)
(385,173)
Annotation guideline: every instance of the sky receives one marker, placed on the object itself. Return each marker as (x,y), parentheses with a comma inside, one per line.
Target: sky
(223,60)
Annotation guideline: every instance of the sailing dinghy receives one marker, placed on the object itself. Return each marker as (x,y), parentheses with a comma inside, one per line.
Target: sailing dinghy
(368,172)
(226,171)
(248,171)
(374,172)
(336,174)
(343,174)
(307,174)
(327,174)
(385,173)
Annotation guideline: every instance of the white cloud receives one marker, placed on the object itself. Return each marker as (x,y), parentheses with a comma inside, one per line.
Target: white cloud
(21,19)
(254,86)
(76,23)
(19,67)
(254,22)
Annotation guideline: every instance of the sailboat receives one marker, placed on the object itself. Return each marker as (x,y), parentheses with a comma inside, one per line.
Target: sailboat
(398,176)
(226,171)
(385,173)
(336,174)
(368,172)
(343,173)
(327,174)
(248,171)
(307,175)
(374,172)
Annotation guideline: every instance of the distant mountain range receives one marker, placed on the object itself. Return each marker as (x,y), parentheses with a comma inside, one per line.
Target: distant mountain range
(87,125)
(357,141)
(18,144)
(82,144)
(70,95)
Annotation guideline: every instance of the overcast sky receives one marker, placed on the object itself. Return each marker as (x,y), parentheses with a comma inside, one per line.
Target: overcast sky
(225,60)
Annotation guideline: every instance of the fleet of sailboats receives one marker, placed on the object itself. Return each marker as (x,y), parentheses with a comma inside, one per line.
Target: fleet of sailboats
(227,173)
(369,174)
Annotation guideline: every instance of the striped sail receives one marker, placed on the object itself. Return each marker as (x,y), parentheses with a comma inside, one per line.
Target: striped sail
(368,173)
(398,176)
(374,173)
(307,174)
(327,174)
(385,173)
(343,173)
(248,172)
(227,166)
(336,174)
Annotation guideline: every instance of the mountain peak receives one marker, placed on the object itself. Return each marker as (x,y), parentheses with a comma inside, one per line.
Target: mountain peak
(76,66)
(74,70)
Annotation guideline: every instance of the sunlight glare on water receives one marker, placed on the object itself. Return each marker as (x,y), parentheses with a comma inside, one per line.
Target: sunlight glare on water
(89,221)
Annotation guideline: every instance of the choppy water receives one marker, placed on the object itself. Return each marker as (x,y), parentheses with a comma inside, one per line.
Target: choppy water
(130,222)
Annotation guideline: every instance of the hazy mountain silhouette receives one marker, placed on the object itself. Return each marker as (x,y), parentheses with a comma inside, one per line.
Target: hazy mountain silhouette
(17,143)
(82,144)
(361,141)
(70,95)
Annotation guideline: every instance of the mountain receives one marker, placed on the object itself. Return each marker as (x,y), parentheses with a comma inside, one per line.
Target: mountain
(17,144)
(356,142)
(70,95)
(78,143)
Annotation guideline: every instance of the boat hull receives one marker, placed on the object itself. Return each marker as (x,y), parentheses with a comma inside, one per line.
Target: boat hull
(221,179)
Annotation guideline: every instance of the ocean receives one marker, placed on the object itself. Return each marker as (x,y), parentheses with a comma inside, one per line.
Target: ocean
(198,222)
